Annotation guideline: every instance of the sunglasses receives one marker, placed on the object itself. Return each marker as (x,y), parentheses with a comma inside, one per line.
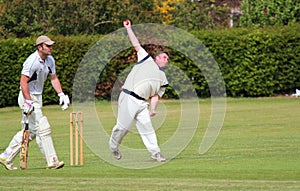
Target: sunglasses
(49,46)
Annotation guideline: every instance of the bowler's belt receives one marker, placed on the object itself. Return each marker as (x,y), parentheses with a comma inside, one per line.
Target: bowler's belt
(133,94)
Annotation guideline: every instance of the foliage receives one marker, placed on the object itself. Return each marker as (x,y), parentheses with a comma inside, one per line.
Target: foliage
(65,17)
(86,17)
(13,54)
(254,62)
(206,14)
(268,13)
(191,17)
(165,8)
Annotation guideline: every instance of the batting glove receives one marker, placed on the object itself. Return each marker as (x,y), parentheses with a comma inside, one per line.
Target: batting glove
(64,99)
(27,107)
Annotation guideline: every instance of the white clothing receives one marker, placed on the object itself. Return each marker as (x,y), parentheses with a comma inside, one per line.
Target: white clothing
(133,110)
(37,70)
(145,79)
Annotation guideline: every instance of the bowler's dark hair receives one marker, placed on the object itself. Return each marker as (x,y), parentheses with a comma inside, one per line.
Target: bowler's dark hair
(161,52)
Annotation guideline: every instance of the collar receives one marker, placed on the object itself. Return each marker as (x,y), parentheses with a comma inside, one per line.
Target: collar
(161,69)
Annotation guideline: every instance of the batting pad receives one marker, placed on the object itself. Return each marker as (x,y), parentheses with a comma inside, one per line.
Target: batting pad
(46,141)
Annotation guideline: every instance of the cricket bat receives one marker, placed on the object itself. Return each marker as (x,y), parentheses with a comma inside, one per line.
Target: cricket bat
(24,146)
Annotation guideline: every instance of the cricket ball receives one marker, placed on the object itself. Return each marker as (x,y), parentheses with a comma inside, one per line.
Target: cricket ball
(127,22)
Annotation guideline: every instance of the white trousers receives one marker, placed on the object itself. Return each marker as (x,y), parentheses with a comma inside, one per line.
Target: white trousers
(34,119)
(132,110)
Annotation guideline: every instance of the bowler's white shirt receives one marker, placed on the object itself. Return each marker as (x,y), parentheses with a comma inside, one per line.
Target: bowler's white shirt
(146,79)
(33,67)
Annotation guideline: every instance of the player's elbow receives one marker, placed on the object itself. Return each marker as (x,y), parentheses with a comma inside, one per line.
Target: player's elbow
(137,47)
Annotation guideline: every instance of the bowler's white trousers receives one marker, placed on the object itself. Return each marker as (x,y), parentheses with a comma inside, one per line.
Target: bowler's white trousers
(132,110)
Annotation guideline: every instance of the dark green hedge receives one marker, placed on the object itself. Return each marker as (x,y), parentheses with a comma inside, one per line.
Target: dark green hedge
(253,62)
(256,62)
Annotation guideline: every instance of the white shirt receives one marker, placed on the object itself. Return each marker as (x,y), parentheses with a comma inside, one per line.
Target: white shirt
(146,79)
(37,70)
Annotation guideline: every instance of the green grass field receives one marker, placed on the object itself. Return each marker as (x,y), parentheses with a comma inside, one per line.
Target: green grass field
(258,148)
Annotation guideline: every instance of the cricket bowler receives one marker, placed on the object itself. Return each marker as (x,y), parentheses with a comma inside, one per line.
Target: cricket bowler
(145,82)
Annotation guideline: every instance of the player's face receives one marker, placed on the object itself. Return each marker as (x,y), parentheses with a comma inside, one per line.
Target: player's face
(162,60)
(46,49)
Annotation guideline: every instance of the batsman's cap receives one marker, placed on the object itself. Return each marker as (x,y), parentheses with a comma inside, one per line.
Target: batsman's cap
(43,39)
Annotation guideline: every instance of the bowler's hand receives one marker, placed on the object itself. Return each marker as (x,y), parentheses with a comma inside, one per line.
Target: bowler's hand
(64,99)
(152,113)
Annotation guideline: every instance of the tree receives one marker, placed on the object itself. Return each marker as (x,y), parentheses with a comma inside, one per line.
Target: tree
(71,17)
(165,8)
(18,18)
(268,13)
(204,14)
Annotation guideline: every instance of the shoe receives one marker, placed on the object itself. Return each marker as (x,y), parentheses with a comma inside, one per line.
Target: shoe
(57,165)
(8,166)
(117,154)
(158,157)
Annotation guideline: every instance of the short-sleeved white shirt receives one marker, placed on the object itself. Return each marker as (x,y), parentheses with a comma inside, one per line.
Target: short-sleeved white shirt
(37,70)
(146,79)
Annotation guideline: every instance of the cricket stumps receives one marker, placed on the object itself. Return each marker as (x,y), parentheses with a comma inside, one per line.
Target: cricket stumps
(76,132)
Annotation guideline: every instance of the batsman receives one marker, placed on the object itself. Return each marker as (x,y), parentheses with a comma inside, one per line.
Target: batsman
(36,69)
